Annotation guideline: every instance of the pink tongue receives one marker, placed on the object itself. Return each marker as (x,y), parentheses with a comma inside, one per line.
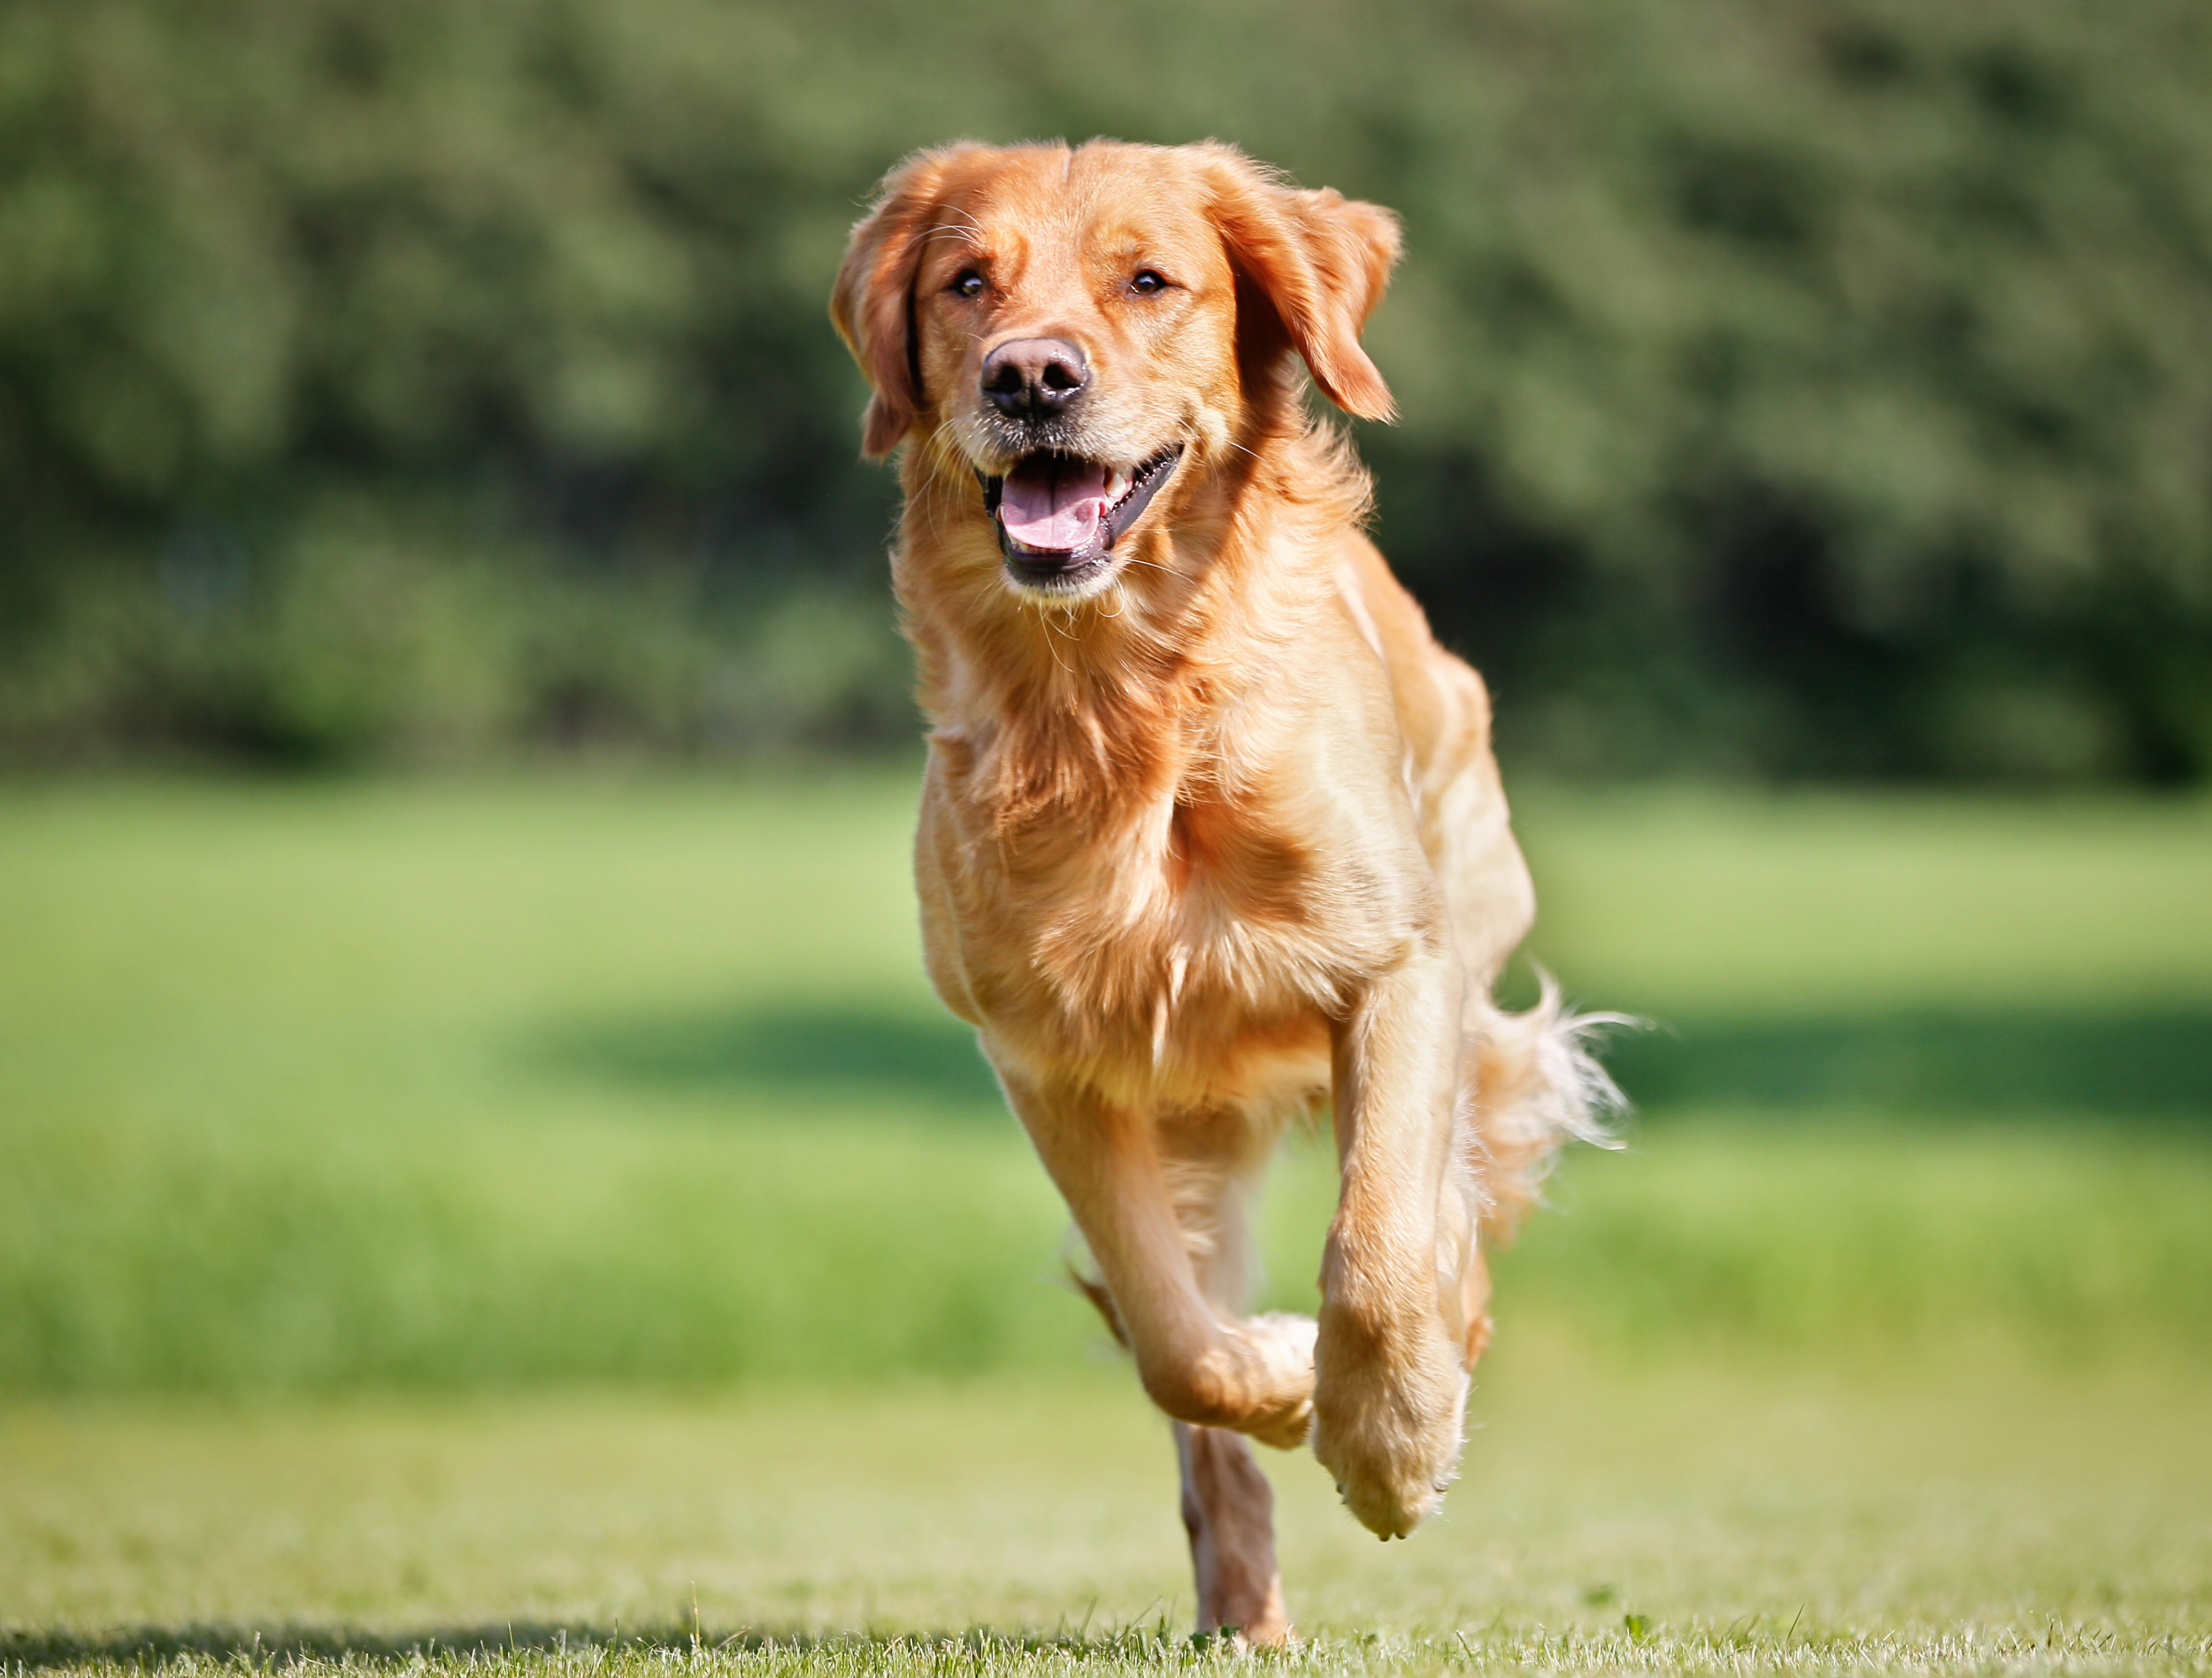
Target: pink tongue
(1053,503)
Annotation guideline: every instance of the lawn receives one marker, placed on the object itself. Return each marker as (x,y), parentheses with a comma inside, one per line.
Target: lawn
(432,1208)
(1994,1520)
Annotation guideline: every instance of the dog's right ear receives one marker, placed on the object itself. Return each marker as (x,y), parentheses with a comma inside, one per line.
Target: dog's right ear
(872,304)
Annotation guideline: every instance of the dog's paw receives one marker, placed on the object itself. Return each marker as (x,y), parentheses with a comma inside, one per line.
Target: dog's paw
(1388,1422)
(1286,1343)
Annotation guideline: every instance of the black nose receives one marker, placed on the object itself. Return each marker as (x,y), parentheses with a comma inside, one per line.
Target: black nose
(1034,378)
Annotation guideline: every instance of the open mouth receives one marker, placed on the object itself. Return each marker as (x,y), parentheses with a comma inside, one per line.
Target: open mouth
(1058,516)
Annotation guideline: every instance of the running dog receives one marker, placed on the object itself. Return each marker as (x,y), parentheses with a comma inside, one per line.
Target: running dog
(1211,832)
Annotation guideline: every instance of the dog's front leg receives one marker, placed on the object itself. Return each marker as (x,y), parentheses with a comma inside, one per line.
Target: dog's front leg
(1390,1388)
(1254,1376)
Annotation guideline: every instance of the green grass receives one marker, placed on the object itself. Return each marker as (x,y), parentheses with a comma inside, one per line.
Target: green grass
(426,1085)
(311,1088)
(1822,903)
(455,1226)
(1687,1518)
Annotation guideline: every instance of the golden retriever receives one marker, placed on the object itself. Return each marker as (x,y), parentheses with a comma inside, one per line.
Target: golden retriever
(1211,831)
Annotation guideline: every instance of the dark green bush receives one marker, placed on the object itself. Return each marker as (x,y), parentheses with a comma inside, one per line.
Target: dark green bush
(1801,388)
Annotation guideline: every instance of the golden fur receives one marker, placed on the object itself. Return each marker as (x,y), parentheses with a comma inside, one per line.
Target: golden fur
(1214,834)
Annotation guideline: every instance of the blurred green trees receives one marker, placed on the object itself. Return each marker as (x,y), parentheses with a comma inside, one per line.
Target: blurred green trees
(1794,388)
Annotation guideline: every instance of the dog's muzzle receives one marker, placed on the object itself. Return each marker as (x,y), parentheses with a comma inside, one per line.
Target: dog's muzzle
(1058,516)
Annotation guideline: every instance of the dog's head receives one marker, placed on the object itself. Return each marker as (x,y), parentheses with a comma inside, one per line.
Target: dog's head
(1089,331)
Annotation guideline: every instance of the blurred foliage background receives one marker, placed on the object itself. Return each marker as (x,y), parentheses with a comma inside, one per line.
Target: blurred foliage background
(1788,389)
(1813,391)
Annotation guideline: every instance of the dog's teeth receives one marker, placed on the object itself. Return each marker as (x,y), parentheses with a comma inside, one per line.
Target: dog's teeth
(1117,486)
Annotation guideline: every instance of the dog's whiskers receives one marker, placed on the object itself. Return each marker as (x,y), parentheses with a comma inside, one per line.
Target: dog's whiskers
(1045,623)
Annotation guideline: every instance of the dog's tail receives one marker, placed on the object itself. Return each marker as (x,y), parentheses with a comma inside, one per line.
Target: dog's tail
(1534,1085)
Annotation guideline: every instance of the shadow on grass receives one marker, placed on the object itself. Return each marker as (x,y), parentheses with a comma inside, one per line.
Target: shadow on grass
(825,1049)
(2151,1064)
(2146,1064)
(139,1647)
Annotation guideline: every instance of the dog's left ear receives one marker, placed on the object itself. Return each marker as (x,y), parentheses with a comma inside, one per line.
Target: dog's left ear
(873,302)
(1320,259)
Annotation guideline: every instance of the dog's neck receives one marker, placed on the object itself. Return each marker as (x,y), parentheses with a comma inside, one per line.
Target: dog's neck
(1122,698)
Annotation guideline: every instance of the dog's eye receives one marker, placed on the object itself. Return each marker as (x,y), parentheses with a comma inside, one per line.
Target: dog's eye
(1148,282)
(966,283)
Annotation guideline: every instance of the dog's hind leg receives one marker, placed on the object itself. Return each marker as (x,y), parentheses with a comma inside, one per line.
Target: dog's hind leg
(1229,1511)
(1213,1162)
(1207,1164)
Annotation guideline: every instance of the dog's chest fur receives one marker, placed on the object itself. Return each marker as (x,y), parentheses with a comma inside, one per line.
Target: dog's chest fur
(1180,939)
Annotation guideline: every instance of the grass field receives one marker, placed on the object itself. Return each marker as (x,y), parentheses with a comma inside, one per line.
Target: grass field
(429,1208)
(1993,1521)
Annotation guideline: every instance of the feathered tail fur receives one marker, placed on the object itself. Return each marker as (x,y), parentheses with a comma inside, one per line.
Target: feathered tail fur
(1534,1086)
